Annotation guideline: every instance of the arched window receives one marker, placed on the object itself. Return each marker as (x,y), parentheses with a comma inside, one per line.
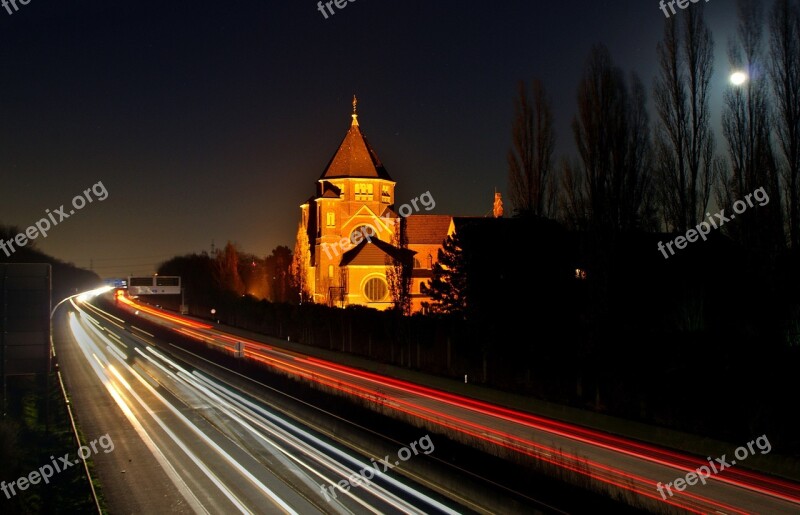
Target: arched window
(417,264)
(375,289)
(364,230)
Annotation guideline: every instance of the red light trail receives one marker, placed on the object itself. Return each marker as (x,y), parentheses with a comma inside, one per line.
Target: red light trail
(379,389)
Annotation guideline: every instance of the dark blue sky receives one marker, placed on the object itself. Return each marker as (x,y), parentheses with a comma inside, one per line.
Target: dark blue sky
(213,120)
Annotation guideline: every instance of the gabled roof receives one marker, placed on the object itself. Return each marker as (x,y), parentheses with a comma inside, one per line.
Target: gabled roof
(375,253)
(355,157)
(381,223)
(427,229)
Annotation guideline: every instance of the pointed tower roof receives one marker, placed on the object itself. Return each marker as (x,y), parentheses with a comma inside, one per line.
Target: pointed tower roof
(355,157)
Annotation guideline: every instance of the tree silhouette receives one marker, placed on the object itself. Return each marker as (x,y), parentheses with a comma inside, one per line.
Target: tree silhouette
(398,271)
(227,269)
(530,160)
(448,286)
(278,270)
(301,262)
(746,126)
(610,188)
(784,47)
(685,148)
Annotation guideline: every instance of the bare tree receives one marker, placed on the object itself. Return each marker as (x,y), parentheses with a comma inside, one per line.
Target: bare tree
(226,266)
(399,268)
(745,125)
(530,160)
(784,48)
(685,145)
(609,187)
(574,211)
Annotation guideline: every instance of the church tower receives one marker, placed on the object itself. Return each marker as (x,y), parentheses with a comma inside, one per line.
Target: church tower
(354,198)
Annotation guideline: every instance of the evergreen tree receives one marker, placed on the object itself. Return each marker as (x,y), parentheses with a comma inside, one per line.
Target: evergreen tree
(448,287)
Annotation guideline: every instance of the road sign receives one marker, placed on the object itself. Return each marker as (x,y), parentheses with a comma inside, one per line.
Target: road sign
(154,285)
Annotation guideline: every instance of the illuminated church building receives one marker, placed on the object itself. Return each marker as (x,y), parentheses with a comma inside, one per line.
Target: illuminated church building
(355,197)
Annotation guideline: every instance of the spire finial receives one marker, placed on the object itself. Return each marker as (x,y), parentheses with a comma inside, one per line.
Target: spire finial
(355,110)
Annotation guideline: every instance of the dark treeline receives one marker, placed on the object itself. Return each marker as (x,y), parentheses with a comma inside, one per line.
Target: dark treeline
(230,273)
(66,278)
(632,172)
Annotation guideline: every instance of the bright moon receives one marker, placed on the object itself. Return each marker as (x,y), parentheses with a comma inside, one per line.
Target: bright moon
(738,78)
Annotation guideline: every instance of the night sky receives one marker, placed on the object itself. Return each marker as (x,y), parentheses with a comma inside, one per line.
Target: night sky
(213,120)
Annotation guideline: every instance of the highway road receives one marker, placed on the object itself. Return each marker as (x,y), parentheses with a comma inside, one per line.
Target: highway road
(189,442)
(616,463)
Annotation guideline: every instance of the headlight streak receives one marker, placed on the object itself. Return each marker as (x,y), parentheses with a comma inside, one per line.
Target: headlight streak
(327,462)
(102,314)
(321,459)
(281,429)
(212,477)
(117,339)
(359,465)
(116,352)
(84,342)
(199,463)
